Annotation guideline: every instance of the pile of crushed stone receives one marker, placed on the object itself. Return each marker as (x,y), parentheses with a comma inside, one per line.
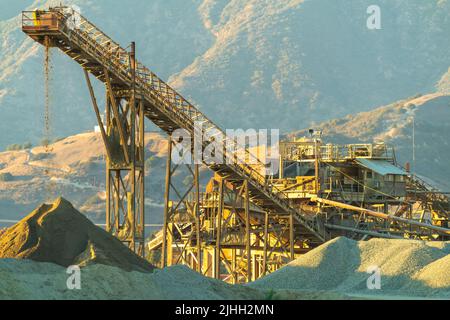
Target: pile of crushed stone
(26,279)
(408,269)
(35,252)
(30,280)
(59,234)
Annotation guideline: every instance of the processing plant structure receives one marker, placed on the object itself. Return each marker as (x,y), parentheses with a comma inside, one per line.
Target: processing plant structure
(245,224)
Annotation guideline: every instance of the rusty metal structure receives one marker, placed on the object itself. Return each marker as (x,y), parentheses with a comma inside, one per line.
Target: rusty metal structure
(358,191)
(245,224)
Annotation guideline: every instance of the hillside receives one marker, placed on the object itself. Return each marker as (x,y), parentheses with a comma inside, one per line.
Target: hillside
(73,168)
(286,64)
(444,83)
(277,64)
(149,23)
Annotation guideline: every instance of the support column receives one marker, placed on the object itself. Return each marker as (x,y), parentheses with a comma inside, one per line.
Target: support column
(167,209)
(108,166)
(124,144)
(132,175)
(116,196)
(169,244)
(182,209)
(291,236)
(233,266)
(266,239)
(197,217)
(141,152)
(219,230)
(247,232)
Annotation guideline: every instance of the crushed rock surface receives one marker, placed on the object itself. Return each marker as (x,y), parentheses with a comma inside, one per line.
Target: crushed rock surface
(408,268)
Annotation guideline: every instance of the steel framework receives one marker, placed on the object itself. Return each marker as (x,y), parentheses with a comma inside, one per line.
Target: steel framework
(123,137)
(127,80)
(245,226)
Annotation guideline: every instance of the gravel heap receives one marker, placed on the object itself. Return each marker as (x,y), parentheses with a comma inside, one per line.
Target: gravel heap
(408,269)
(56,236)
(59,234)
(27,279)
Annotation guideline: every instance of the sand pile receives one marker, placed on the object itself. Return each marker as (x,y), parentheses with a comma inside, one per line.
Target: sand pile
(59,234)
(408,268)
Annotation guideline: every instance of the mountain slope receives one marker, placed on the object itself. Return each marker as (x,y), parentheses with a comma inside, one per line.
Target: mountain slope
(246,63)
(167,41)
(285,64)
(73,168)
(444,83)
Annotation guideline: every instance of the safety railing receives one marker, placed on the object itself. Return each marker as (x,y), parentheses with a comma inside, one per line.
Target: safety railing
(331,152)
(39,20)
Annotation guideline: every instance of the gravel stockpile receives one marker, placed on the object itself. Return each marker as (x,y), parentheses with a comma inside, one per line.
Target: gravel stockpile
(59,234)
(408,268)
(26,279)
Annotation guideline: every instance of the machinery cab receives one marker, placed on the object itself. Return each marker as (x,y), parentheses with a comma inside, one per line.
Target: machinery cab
(39,20)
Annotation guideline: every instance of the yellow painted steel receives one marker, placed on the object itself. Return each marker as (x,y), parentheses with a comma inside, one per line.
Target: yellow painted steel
(36,18)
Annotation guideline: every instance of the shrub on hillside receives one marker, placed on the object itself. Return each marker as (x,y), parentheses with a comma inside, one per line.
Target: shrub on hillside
(14,147)
(45,142)
(6,177)
(18,147)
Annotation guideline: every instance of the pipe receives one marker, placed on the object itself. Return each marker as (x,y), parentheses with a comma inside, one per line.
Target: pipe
(370,233)
(380,215)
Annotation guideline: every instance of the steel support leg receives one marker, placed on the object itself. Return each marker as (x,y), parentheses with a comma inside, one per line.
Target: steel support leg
(124,144)
(167,208)
(266,239)
(247,232)
(291,236)
(219,230)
